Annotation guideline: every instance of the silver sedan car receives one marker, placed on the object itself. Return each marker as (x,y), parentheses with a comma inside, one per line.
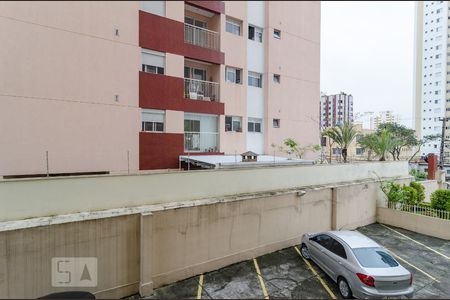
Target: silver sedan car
(359,266)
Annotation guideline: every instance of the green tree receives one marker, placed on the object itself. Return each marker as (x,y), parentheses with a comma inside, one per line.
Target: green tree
(440,199)
(291,146)
(420,189)
(404,136)
(381,143)
(343,135)
(368,142)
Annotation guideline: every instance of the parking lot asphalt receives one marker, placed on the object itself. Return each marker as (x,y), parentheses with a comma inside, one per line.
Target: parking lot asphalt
(285,274)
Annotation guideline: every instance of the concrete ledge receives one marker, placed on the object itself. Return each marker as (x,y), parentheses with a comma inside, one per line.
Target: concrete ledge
(31,198)
(436,227)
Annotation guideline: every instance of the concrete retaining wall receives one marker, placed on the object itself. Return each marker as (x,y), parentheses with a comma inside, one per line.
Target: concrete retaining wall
(29,198)
(436,227)
(145,247)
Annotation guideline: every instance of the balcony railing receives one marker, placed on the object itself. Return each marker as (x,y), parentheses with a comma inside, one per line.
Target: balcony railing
(201,37)
(201,142)
(201,90)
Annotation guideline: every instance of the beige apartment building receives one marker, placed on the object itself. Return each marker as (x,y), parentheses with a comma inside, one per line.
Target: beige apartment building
(127,86)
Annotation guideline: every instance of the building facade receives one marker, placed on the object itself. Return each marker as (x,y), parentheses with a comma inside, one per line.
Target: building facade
(126,86)
(371,120)
(336,109)
(431,67)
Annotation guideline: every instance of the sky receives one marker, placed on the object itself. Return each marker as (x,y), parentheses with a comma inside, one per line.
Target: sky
(367,50)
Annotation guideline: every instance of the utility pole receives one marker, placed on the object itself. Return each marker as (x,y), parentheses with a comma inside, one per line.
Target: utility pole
(441,153)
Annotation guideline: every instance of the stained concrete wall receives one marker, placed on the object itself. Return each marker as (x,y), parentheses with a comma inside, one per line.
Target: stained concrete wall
(28,198)
(25,256)
(436,227)
(430,187)
(145,247)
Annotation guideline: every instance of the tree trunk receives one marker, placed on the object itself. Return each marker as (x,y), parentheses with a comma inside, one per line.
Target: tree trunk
(382,158)
(344,154)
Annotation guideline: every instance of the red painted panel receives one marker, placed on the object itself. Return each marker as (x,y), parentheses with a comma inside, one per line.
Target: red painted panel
(213,6)
(205,107)
(160,150)
(160,91)
(167,92)
(166,35)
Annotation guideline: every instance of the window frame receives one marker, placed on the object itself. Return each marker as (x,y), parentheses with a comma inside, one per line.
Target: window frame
(153,124)
(257,33)
(278,123)
(236,71)
(153,69)
(230,127)
(254,76)
(277,81)
(233,23)
(253,122)
(277,33)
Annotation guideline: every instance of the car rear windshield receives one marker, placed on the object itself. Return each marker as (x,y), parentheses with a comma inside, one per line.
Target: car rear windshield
(374,258)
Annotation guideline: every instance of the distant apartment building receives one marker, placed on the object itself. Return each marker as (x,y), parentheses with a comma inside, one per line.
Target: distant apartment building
(336,109)
(432,69)
(127,86)
(371,120)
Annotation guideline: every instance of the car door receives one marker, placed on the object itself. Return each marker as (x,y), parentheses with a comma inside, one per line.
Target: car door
(336,259)
(319,245)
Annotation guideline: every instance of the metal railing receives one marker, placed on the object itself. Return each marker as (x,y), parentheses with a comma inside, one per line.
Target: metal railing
(201,90)
(201,37)
(420,210)
(201,142)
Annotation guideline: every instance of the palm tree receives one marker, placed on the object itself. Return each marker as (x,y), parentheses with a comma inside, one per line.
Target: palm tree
(343,135)
(380,143)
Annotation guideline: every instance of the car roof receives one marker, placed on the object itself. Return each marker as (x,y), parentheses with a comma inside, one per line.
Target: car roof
(354,239)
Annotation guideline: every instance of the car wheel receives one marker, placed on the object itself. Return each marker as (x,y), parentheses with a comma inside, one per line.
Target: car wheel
(305,252)
(344,288)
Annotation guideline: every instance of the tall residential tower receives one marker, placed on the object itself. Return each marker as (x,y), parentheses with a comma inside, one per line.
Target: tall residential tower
(432,82)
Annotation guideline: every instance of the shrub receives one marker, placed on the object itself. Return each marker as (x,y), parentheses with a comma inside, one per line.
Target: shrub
(440,199)
(409,195)
(418,176)
(393,191)
(420,189)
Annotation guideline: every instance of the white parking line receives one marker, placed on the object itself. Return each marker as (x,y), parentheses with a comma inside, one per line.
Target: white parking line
(411,265)
(417,242)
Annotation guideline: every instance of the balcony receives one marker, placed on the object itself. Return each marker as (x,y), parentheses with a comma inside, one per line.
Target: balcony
(201,142)
(201,90)
(201,37)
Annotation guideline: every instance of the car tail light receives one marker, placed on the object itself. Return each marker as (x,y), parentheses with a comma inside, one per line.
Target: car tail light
(366,279)
(411,279)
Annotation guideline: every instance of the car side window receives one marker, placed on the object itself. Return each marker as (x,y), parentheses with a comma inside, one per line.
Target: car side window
(323,240)
(338,249)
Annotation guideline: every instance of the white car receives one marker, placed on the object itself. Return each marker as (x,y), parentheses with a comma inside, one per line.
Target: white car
(359,266)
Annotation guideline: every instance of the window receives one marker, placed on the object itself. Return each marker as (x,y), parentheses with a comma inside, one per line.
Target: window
(337,249)
(323,240)
(233,75)
(233,124)
(359,151)
(191,125)
(276,123)
(255,33)
(277,33)
(233,26)
(254,79)
(192,21)
(254,125)
(154,7)
(152,120)
(276,78)
(336,151)
(152,61)
(374,258)
(194,73)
